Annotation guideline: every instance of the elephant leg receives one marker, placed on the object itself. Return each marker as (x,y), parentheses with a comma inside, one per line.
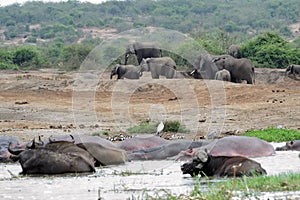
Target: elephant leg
(154,75)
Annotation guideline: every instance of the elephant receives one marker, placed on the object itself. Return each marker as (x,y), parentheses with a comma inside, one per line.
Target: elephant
(223,75)
(164,66)
(239,68)
(142,50)
(293,69)
(235,51)
(125,71)
(204,67)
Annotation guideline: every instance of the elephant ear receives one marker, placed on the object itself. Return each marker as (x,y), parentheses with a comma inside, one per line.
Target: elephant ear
(292,69)
(117,68)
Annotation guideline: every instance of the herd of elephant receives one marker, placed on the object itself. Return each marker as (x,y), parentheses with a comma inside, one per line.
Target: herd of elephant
(230,67)
(228,156)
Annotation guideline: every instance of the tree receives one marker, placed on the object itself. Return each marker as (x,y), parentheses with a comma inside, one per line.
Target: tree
(27,57)
(270,50)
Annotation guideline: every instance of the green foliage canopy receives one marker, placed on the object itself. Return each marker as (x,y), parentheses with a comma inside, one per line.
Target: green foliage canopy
(270,50)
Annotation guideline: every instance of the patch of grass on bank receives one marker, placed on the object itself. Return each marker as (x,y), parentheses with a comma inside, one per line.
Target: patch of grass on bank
(251,186)
(150,127)
(274,134)
(244,187)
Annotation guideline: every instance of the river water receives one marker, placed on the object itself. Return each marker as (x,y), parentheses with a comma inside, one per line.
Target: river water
(134,180)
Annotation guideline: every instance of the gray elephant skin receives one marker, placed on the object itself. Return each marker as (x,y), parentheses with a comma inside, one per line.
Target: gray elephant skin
(204,68)
(125,71)
(142,50)
(164,66)
(223,75)
(235,51)
(293,69)
(240,69)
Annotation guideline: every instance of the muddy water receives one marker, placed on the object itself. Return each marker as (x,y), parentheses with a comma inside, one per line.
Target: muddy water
(133,180)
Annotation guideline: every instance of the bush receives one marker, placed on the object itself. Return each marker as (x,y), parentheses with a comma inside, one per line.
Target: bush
(270,51)
(150,127)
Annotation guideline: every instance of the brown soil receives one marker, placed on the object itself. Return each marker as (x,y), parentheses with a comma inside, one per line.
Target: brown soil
(50,102)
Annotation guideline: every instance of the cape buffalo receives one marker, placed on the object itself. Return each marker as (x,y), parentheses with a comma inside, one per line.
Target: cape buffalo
(53,158)
(208,165)
(292,145)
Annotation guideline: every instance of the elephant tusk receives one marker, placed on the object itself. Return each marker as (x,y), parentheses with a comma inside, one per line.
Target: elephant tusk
(192,72)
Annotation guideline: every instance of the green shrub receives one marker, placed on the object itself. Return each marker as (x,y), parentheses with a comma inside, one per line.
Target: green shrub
(143,127)
(274,134)
(174,126)
(150,127)
(270,51)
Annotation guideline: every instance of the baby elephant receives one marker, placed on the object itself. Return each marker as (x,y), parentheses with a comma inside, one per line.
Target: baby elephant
(205,164)
(125,71)
(223,75)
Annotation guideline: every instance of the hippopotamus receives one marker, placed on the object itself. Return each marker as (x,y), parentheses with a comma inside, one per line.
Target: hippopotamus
(53,158)
(234,146)
(168,150)
(292,145)
(5,141)
(104,155)
(205,164)
(79,138)
(140,142)
(104,151)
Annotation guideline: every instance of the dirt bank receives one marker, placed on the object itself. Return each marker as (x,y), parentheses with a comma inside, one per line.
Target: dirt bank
(50,102)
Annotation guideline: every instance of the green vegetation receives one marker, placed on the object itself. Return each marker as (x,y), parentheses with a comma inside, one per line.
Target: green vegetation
(270,50)
(248,186)
(186,16)
(55,35)
(100,133)
(274,134)
(150,127)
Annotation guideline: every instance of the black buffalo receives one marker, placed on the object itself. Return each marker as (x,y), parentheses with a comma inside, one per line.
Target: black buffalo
(205,164)
(53,158)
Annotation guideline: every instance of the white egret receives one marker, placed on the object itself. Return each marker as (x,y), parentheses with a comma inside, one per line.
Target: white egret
(160,127)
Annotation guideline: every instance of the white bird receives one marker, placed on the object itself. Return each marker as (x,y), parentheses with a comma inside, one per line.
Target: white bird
(160,127)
